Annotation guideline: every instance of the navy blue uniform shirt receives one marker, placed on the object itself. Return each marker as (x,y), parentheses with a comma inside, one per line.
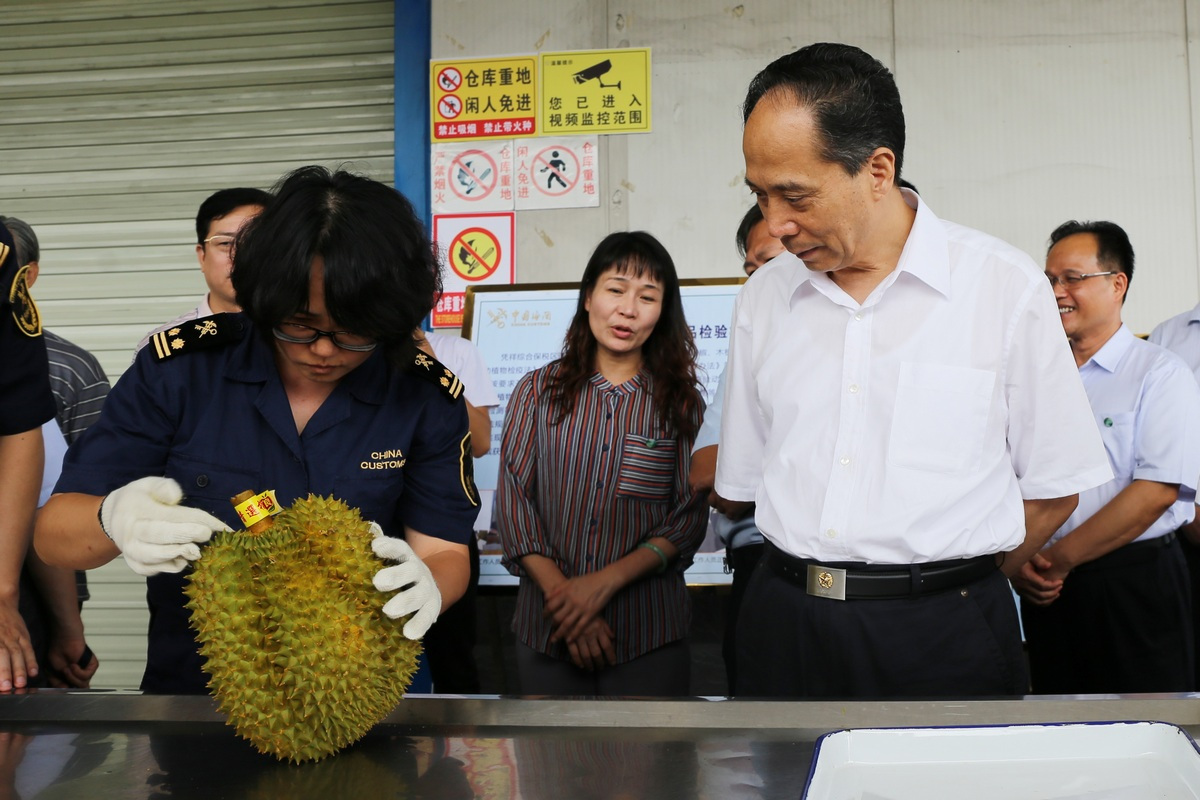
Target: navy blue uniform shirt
(25,398)
(217,420)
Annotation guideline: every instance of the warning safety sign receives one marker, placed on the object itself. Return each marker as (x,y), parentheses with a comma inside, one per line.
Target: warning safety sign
(596,91)
(471,177)
(483,98)
(478,250)
(556,173)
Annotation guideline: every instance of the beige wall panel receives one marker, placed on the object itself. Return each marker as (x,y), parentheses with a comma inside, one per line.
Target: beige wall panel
(686,180)
(1023,115)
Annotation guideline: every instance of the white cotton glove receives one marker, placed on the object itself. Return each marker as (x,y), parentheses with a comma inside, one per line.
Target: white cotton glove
(153,532)
(419,593)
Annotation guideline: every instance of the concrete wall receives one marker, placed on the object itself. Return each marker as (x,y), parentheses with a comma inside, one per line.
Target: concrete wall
(1021,114)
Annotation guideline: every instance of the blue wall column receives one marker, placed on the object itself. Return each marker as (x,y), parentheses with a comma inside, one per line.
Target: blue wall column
(413,29)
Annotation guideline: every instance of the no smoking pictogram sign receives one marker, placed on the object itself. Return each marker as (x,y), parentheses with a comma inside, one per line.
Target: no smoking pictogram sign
(449,79)
(475,254)
(472,175)
(555,170)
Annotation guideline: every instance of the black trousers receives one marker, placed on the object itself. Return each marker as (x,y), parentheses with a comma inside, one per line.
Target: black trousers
(742,563)
(1191,554)
(450,642)
(1122,624)
(958,643)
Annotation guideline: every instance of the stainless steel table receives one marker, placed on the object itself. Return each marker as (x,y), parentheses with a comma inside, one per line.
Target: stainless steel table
(99,744)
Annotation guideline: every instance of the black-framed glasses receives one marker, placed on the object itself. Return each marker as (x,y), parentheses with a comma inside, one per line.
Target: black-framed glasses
(296,333)
(1073,279)
(222,241)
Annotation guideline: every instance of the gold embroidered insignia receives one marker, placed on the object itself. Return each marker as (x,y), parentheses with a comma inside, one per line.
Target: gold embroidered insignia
(24,310)
(202,334)
(447,382)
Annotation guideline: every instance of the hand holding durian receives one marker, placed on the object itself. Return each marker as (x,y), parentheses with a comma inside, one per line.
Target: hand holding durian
(421,598)
(154,533)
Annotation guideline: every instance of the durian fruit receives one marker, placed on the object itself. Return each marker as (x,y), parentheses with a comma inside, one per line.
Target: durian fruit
(302,659)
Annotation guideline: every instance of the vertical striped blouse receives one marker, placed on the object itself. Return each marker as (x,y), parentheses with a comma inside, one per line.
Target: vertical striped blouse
(585,492)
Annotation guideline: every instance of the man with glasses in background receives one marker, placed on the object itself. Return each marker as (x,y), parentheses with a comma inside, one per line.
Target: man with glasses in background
(1107,603)
(218,221)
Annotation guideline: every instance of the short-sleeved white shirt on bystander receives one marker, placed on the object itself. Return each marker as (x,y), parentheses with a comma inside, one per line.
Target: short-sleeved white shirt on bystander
(909,428)
(1181,335)
(1146,405)
(464,360)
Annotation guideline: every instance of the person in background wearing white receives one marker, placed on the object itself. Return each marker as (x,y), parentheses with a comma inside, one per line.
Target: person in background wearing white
(220,218)
(900,407)
(1107,603)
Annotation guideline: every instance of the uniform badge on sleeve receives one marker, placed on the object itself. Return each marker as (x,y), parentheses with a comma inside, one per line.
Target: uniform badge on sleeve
(24,310)
(196,334)
(466,470)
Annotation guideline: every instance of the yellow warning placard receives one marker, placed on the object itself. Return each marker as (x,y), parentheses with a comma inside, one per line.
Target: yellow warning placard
(596,91)
(483,98)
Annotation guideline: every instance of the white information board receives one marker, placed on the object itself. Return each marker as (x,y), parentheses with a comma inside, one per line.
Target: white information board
(521,327)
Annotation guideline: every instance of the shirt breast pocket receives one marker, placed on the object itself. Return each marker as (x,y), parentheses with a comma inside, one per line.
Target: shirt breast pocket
(1116,431)
(647,468)
(211,487)
(376,497)
(941,417)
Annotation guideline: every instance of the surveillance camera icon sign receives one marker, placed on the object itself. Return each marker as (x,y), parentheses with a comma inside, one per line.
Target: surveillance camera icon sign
(596,72)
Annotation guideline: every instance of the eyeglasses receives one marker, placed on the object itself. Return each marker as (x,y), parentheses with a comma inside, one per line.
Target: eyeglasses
(222,241)
(1071,279)
(303,334)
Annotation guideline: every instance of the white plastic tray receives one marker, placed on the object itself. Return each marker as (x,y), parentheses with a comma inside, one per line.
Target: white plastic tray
(1092,761)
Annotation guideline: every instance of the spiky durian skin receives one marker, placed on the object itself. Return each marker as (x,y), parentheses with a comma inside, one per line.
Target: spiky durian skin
(302,659)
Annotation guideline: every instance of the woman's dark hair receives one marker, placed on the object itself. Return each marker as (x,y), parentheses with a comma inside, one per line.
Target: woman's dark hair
(669,354)
(381,273)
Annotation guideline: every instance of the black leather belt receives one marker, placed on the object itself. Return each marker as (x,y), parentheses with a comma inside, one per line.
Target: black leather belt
(1132,553)
(853,581)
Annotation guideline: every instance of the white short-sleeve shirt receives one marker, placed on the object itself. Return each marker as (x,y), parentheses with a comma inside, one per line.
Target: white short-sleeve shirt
(1181,335)
(464,360)
(1146,405)
(908,428)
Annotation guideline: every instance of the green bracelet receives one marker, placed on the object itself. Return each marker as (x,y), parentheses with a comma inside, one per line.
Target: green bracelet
(658,552)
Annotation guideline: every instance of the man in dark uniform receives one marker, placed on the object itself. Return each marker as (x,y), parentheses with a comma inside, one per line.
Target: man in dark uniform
(317,388)
(25,404)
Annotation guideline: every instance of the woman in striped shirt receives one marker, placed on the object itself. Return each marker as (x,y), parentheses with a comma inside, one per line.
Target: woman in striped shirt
(593,505)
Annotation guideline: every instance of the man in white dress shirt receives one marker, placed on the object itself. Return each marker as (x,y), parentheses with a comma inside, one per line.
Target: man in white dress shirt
(1107,603)
(900,404)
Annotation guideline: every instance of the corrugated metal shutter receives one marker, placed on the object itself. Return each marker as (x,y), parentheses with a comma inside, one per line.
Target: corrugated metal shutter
(118,117)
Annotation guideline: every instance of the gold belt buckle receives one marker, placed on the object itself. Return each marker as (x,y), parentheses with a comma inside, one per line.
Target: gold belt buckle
(826,582)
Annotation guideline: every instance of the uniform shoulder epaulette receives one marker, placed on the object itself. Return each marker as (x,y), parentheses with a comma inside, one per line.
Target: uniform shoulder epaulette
(439,375)
(202,333)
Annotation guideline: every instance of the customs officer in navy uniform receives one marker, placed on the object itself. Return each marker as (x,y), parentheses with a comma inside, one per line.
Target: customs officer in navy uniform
(316,387)
(25,404)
